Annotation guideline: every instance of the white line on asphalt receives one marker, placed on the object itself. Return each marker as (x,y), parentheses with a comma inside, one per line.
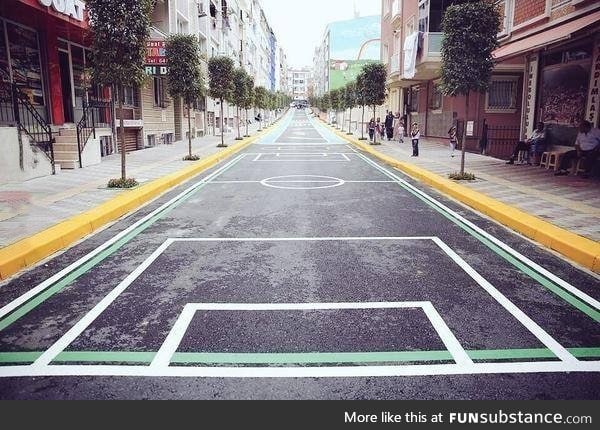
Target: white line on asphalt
(543,336)
(59,346)
(6,309)
(551,276)
(302,372)
(175,336)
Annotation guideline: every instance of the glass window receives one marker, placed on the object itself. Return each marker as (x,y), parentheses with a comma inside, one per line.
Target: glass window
(25,62)
(159,92)
(502,94)
(414,98)
(436,97)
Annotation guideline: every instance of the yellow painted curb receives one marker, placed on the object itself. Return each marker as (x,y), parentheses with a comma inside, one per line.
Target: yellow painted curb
(31,250)
(579,249)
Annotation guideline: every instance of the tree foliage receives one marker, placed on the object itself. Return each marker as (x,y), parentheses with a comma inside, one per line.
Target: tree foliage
(240,88)
(185,78)
(220,76)
(260,98)
(120,30)
(373,80)
(349,98)
(470,36)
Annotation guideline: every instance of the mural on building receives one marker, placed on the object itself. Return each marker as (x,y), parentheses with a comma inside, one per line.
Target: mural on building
(353,44)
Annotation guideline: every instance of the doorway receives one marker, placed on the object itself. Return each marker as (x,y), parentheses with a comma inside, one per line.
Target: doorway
(65,82)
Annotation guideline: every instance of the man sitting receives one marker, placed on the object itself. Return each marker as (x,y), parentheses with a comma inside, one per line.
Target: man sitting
(587,146)
(535,145)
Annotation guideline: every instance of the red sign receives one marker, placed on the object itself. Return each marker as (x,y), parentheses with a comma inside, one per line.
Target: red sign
(156,53)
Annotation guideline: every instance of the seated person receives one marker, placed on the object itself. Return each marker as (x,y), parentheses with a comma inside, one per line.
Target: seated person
(587,146)
(536,144)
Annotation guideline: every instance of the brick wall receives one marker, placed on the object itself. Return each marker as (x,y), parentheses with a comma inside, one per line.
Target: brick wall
(528,9)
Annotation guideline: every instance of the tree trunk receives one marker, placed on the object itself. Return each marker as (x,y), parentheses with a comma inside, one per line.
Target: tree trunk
(350,122)
(222,145)
(247,134)
(376,131)
(362,127)
(122,137)
(238,124)
(464,142)
(189,131)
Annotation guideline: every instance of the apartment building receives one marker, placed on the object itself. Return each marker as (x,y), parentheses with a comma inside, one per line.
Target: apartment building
(546,70)
(299,81)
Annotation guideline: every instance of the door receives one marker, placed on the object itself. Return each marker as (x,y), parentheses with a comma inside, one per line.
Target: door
(67,89)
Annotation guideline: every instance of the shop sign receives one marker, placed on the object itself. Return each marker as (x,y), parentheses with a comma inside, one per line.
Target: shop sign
(530,96)
(156,58)
(71,8)
(593,104)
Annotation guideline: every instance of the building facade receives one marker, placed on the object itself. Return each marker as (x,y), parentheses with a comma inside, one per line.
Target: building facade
(544,71)
(299,81)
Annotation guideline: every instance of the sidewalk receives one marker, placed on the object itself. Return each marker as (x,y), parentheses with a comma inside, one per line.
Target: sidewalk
(572,203)
(29,207)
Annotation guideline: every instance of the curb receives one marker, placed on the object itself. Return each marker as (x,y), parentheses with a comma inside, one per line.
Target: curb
(577,248)
(29,251)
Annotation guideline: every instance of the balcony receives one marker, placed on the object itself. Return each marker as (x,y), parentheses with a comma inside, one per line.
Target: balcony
(429,56)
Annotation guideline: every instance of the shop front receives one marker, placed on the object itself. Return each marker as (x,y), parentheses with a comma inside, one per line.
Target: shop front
(43,50)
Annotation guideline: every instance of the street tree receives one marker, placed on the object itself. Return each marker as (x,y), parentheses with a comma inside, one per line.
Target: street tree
(470,36)
(260,101)
(248,102)
(185,74)
(374,86)
(350,101)
(119,30)
(334,101)
(238,95)
(361,100)
(220,85)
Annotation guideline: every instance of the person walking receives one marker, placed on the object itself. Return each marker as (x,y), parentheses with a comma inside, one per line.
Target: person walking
(453,140)
(389,126)
(372,128)
(415,135)
(380,129)
(401,131)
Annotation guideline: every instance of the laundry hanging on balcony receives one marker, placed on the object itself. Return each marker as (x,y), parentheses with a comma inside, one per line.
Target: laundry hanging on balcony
(411,45)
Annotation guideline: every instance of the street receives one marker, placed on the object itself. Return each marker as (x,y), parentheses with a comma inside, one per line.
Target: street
(302,268)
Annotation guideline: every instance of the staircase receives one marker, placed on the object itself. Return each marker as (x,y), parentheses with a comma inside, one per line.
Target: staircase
(66,153)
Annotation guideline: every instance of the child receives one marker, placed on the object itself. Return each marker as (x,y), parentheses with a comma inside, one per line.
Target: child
(453,140)
(415,135)
(372,127)
(401,131)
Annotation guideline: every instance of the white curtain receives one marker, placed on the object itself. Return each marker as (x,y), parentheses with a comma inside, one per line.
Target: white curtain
(411,44)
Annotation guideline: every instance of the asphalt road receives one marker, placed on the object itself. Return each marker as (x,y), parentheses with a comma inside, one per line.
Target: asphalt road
(302,269)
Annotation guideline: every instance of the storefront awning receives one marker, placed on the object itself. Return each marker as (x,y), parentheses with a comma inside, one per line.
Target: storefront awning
(554,34)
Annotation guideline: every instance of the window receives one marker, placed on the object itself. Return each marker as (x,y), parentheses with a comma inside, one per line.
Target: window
(502,94)
(130,97)
(159,92)
(435,97)
(555,4)
(151,140)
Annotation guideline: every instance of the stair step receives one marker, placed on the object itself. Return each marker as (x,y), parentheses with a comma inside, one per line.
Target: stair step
(66,139)
(67,165)
(65,146)
(66,156)
(68,132)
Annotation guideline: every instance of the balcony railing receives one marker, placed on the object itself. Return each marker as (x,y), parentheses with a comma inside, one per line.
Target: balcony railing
(395,63)
(396,9)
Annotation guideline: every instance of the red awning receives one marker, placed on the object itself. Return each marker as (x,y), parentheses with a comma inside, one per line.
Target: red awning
(554,34)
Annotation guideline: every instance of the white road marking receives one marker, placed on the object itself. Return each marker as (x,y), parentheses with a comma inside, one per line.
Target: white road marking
(175,336)
(9,307)
(551,276)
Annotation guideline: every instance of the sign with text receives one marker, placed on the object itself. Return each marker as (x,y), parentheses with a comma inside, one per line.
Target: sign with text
(156,53)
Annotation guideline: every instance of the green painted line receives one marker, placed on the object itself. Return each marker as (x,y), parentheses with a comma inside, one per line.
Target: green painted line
(146,357)
(19,357)
(557,290)
(85,267)
(104,357)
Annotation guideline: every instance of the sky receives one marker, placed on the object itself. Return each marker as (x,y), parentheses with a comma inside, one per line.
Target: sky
(299,25)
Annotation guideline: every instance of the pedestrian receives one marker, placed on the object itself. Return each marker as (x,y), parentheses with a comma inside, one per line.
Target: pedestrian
(401,131)
(587,146)
(453,140)
(372,127)
(380,129)
(536,144)
(415,134)
(389,126)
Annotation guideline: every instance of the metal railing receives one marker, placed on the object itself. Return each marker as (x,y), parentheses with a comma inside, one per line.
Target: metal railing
(17,110)
(96,113)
